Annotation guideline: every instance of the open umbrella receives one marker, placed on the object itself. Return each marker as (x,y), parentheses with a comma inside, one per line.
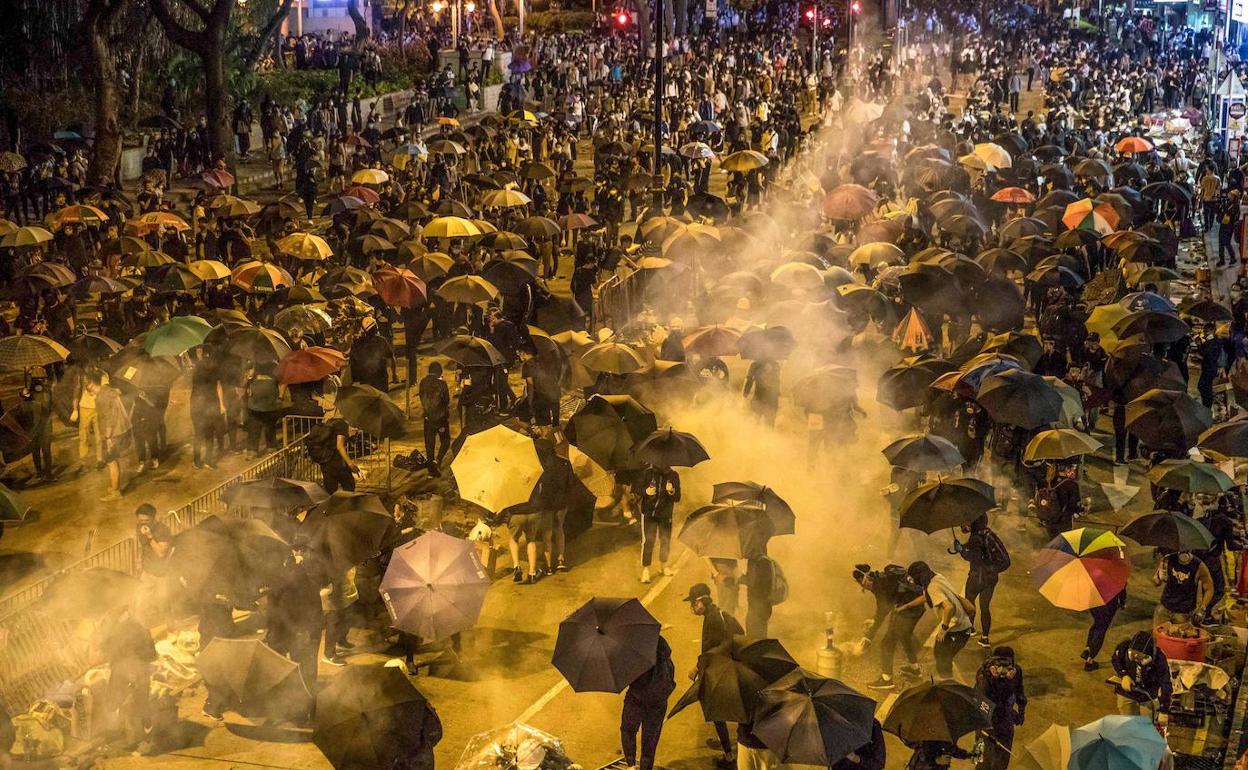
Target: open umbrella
(346,531)
(1060,444)
(1153,327)
(252,674)
(1168,529)
(937,711)
(774,343)
(435,586)
(1117,743)
(372,716)
(670,448)
(12,506)
(783,520)
(467,290)
(1020,398)
(1226,440)
(812,720)
(275,494)
(226,556)
(467,350)
(1050,751)
(497,468)
(905,385)
(1190,476)
(923,452)
(1082,569)
(730,529)
(608,428)
(946,504)
(371,411)
(135,368)
(1167,419)
(28,350)
(311,364)
(399,287)
(731,675)
(176,336)
(847,202)
(613,358)
(606,644)
(715,340)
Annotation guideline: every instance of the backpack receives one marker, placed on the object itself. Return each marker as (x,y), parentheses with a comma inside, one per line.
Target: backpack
(779,583)
(903,591)
(321,443)
(996,558)
(656,684)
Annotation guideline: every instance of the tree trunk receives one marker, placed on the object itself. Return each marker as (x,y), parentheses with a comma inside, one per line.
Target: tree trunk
(361,26)
(216,101)
(136,82)
(106,150)
(499,30)
(682,17)
(643,26)
(266,35)
(403,29)
(669,21)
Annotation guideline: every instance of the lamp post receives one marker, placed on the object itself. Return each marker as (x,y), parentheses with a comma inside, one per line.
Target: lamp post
(659,30)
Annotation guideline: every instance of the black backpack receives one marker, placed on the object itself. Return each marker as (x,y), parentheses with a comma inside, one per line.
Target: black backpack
(996,558)
(321,443)
(656,684)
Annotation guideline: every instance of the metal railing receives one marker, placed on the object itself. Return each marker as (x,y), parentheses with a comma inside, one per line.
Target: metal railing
(374,458)
(618,301)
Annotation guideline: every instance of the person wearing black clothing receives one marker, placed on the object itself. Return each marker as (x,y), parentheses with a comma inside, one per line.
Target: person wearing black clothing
(934,755)
(718,627)
(541,392)
(759,580)
(371,358)
(1059,502)
(207,412)
(872,755)
(988,558)
(763,380)
(1144,675)
(1000,681)
(128,649)
(329,441)
(645,704)
(1186,586)
(1226,537)
(891,588)
(673,347)
(295,618)
(659,490)
(435,403)
(37,397)
(1102,618)
(1214,352)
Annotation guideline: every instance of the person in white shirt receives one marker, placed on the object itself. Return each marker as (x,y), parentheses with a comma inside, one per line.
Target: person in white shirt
(955,626)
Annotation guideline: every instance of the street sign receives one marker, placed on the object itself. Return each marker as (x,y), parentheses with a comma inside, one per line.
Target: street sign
(1237,110)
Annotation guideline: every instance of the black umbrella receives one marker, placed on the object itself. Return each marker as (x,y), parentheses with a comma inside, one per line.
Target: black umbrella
(808,719)
(252,675)
(1168,192)
(1168,419)
(606,644)
(608,429)
(730,529)
(1020,227)
(1199,307)
(233,557)
(773,342)
(1054,276)
(1001,261)
(1024,347)
(1170,530)
(669,448)
(133,367)
(92,347)
(346,534)
(1020,398)
(946,504)
(937,711)
(906,384)
(372,716)
(275,494)
(371,411)
(1154,327)
(999,303)
(1227,440)
(732,674)
(467,350)
(783,520)
(925,452)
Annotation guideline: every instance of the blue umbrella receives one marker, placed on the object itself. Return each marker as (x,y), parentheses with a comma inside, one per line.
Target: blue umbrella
(520,66)
(1117,743)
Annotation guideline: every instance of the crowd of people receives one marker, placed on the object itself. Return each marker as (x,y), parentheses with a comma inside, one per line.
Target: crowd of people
(1025,261)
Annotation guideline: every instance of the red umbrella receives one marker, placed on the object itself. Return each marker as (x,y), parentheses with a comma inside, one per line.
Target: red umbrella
(218,178)
(363,193)
(399,287)
(309,365)
(1013,195)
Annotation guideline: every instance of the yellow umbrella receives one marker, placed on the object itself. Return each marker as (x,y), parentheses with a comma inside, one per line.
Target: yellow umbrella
(447,120)
(875,253)
(994,155)
(30,235)
(7,226)
(497,468)
(797,275)
(1050,751)
(504,199)
(305,246)
(467,290)
(975,163)
(744,160)
(370,176)
(233,206)
(1102,320)
(209,269)
(450,227)
(429,265)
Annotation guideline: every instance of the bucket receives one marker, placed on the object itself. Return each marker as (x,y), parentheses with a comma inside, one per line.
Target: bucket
(1182,648)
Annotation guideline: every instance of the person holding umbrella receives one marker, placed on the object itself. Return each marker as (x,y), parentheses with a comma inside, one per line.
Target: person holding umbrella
(659,491)
(1000,681)
(717,627)
(1102,618)
(988,558)
(952,609)
(645,704)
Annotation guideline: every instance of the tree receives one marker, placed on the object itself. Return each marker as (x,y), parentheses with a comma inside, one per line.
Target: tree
(205,37)
(106,151)
(499,30)
(252,57)
(361,26)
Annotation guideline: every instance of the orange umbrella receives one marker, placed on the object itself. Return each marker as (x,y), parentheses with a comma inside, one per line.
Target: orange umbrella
(260,277)
(311,364)
(399,287)
(1013,195)
(912,333)
(154,220)
(1086,215)
(78,214)
(1132,144)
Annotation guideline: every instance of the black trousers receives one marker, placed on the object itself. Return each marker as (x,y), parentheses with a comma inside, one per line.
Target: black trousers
(981,586)
(1126,445)
(437,434)
(1102,618)
(725,740)
(653,529)
(646,718)
(947,648)
(900,631)
(41,452)
(998,741)
(335,476)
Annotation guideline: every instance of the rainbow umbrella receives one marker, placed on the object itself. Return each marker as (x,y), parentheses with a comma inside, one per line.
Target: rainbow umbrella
(1086,215)
(1082,569)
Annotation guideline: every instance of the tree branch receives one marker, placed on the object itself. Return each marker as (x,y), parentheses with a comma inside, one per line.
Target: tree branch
(180,35)
(266,34)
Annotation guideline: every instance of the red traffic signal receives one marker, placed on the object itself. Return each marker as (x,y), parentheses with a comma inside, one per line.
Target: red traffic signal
(855,7)
(622,19)
(810,14)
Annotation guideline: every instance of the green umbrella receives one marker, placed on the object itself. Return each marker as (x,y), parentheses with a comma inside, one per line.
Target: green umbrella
(176,336)
(1191,477)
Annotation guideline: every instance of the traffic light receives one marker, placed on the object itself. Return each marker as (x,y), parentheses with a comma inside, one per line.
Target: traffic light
(622,18)
(855,7)
(810,14)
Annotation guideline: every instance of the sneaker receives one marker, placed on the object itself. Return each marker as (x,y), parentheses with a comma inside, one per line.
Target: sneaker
(983,642)
(345,646)
(213,716)
(111,496)
(668,571)
(883,683)
(561,567)
(645,574)
(516,575)
(1090,665)
(142,467)
(532,578)
(911,670)
(334,661)
(155,463)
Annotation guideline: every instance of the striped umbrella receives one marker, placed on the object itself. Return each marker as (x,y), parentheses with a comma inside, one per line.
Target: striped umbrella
(1086,215)
(1082,569)
(260,277)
